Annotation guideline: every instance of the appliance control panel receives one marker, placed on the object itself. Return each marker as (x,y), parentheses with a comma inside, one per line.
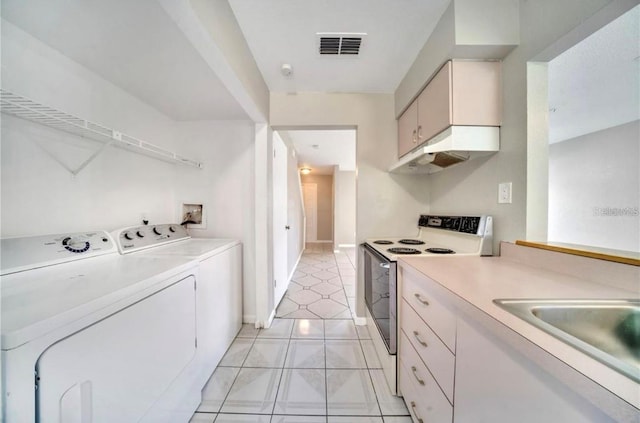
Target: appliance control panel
(27,253)
(476,225)
(137,238)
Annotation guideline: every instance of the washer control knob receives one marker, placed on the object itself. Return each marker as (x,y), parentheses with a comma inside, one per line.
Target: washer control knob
(75,245)
(172,229)
(157,231)
(128,235)
(140,234)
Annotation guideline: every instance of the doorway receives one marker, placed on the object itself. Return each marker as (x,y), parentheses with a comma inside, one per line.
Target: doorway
(310,195)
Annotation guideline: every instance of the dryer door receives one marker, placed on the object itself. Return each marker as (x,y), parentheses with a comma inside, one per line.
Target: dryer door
(114,370)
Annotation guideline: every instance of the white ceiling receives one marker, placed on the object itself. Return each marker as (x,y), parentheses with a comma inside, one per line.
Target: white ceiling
(133,44)
(284,31)
(596,84)
(322,150)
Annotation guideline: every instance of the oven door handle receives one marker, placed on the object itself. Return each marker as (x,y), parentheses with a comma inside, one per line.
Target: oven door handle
(384,265)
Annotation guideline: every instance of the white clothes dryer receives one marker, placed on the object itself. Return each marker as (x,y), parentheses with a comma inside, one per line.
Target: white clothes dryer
(219,284)
(95,335)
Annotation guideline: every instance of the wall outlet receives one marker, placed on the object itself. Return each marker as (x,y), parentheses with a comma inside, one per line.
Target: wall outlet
(504,193)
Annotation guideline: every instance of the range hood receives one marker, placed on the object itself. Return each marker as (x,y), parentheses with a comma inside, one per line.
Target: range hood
(454,145)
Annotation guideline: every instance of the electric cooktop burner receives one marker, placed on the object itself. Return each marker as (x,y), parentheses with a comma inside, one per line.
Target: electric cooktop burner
(440,251)
(403,250)
(411,241)
(382,242)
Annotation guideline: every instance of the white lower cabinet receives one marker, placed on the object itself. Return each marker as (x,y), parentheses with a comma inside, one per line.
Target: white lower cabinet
(425,400)
(454,369)
(495,384)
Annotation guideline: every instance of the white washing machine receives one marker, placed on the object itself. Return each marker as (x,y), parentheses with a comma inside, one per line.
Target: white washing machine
(219,293)
(89,335)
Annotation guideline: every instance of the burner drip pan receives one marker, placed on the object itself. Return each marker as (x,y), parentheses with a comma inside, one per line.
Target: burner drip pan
(383,242)
(440,251)
(402,250)
(411,241)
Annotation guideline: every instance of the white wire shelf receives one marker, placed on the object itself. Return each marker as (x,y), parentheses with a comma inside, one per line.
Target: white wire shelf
(24,108)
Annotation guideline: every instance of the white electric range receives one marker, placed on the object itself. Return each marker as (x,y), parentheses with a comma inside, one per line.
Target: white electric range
(437,236)
(90,335)
(440,235)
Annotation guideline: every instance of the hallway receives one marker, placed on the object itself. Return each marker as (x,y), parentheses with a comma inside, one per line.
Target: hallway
(312,365)
(322,286)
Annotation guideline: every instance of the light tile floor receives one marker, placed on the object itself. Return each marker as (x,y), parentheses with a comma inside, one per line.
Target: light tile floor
(313,365)
(322,286)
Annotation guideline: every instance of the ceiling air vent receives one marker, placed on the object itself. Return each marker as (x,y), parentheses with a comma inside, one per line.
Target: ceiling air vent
(339,44)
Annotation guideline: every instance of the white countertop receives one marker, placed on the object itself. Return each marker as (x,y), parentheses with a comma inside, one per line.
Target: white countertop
(480,280)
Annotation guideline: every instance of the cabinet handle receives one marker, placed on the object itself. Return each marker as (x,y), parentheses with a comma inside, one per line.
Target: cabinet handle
(420,381)
(417,336)
(420,132)
(425,302)
(414,139)
(415,413)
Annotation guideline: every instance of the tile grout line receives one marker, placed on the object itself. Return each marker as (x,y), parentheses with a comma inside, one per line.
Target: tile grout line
(237,374)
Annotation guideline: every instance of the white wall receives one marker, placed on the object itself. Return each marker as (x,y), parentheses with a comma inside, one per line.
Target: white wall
(344,183)
(472,186)
(594,189)
(40,196)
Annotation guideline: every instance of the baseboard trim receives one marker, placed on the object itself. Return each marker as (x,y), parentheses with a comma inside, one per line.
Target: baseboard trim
(295,266)
(346,245)
(320,242)
(249,319)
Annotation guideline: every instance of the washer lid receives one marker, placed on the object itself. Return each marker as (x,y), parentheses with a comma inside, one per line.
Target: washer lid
(196,248)
(39,301)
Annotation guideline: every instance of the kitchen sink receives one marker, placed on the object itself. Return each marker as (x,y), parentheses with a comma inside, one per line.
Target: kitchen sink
(607,330)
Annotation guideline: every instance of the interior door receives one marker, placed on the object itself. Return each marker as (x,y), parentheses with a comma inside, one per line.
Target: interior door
(310,193)
(280,226)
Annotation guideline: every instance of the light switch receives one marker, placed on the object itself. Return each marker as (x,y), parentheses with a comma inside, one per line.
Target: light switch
(504,193)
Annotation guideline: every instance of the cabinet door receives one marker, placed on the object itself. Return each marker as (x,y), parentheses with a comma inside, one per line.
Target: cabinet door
(434,105)
(496,384)
(407,130)
(476,94)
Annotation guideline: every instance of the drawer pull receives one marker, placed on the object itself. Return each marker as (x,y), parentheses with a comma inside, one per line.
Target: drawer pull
(414,138)
(414,370)
(417,336)
(425,302)
(419,132)
(415,413)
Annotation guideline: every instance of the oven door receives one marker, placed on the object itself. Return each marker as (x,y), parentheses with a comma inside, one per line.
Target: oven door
(380,294)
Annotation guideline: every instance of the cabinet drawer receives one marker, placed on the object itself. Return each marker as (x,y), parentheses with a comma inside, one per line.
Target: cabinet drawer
(439,318)
(436,356)
(423,397)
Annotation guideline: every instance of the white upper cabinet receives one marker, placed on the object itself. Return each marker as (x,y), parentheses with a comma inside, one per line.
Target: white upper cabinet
(465,93)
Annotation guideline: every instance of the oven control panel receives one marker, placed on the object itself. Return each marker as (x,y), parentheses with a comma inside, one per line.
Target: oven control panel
(476,225)
(38,251)
(140,237)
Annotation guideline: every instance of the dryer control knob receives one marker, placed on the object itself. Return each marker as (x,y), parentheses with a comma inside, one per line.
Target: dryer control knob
(128,235)
(172,229)
(140,234)
(157,231)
